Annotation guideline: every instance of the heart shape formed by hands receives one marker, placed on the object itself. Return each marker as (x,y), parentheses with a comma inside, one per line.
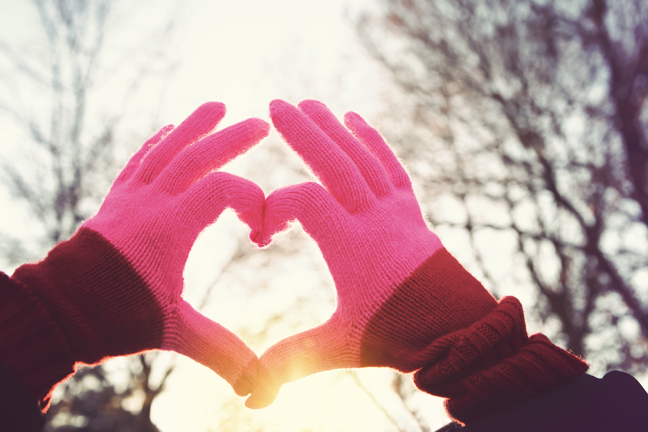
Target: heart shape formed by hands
(119,278)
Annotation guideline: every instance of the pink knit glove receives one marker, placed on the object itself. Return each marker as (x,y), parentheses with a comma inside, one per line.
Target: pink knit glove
(115,287)
(398,289)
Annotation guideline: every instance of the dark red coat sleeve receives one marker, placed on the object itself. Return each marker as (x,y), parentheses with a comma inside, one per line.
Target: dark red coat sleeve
(19,410)
(616,402)
(32,347)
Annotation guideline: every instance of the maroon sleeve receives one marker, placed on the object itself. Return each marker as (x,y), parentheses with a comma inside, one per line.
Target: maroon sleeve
(494,363)
(617,402)
(32,346)
(19,410)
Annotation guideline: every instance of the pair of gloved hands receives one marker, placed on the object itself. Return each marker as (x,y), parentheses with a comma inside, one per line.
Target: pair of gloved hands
(115,287)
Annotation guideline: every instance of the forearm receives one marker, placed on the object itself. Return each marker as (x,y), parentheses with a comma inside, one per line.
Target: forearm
(32,346)
(617,402)
(463,344)
(494,364)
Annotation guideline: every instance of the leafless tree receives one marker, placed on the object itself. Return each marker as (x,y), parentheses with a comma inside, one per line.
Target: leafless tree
(49,90)
(74,35)
(529,118)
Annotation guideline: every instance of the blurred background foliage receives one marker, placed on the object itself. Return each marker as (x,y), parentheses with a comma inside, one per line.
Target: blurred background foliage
(522,123)
(529,118)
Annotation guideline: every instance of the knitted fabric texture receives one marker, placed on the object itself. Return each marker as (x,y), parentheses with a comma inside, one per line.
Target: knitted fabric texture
(115,287)
(402,300)
(494,364)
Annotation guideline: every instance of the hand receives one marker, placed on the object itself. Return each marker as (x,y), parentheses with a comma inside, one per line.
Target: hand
(115,287)
(398,289)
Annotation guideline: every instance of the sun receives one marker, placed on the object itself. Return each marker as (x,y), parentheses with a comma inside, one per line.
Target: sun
(327,401)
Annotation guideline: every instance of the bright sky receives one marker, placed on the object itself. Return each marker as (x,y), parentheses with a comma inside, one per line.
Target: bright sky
(246,53)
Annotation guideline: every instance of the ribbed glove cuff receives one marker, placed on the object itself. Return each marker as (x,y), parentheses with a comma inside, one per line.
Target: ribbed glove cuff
(494,363)
(32,345)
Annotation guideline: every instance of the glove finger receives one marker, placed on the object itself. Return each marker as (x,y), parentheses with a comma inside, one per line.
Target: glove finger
(206,199)
(331,165)
(377,145)
(211,153)
(194,335)
(319,349)
(135,160)
(309,203)
(372,171)
(201,122)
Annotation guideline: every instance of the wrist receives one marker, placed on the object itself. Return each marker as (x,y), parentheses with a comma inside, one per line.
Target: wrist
(97,299)
(436,299)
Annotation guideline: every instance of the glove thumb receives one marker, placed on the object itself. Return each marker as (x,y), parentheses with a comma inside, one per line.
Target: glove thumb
(322,348)
(192,334)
